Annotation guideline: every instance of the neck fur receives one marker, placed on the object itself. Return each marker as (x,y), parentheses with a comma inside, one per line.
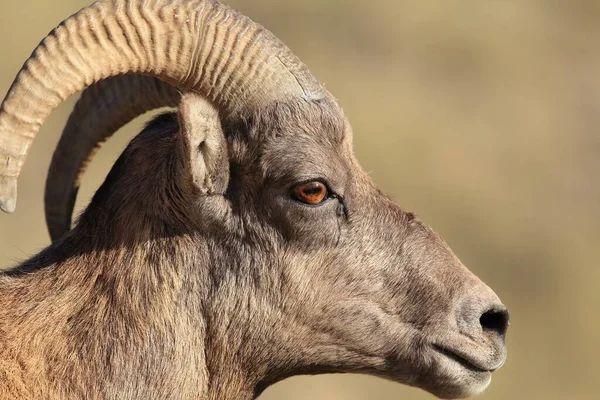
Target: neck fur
(119,323)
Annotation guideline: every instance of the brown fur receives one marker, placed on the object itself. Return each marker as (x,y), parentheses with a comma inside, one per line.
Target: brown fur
(194,274)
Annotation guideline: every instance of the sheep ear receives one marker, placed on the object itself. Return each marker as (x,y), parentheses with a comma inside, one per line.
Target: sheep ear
(203,146)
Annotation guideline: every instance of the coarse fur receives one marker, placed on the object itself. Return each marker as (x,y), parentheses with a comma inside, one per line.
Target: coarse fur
(194,273)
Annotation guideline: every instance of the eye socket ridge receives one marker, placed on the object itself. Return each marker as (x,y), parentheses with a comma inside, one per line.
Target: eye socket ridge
(312,192)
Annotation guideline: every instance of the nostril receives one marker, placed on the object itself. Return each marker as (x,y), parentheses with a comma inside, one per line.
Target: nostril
(495,321)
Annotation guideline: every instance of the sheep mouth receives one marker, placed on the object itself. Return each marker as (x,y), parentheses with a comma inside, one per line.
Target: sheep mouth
(463,360)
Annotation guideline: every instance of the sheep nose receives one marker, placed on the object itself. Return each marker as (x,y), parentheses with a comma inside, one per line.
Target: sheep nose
(495,320)
(483,312)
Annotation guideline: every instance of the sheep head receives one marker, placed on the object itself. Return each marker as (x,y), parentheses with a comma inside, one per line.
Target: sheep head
(306,267)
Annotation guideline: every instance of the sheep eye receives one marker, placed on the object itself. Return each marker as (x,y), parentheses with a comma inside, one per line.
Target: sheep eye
(313,192)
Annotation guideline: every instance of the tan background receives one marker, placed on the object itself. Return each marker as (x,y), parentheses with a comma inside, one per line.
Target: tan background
(481,116)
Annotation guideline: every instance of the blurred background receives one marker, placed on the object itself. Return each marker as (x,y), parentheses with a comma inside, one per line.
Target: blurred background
(480,116)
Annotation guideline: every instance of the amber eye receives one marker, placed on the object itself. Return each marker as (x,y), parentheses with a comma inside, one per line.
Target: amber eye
(314,192)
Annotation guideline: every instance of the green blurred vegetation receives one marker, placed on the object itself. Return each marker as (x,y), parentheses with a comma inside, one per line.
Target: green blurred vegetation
(481,116)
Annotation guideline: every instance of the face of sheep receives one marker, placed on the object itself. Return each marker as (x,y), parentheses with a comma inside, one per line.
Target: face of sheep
(332,275)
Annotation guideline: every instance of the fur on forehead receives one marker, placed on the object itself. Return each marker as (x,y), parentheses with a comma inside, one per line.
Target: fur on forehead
(321,117)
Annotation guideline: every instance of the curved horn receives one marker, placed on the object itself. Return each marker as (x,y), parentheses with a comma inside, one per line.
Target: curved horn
(101,110)
(197,45)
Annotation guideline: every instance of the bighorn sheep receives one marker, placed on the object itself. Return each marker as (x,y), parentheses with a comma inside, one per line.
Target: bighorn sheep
(233,244)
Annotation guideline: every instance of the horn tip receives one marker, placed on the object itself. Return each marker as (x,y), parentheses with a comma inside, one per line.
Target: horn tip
(8,195)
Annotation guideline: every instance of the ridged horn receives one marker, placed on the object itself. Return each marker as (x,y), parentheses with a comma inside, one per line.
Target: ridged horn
(102,109)
(198,45)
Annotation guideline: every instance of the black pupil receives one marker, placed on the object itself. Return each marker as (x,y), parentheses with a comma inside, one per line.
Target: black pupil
(312,189)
